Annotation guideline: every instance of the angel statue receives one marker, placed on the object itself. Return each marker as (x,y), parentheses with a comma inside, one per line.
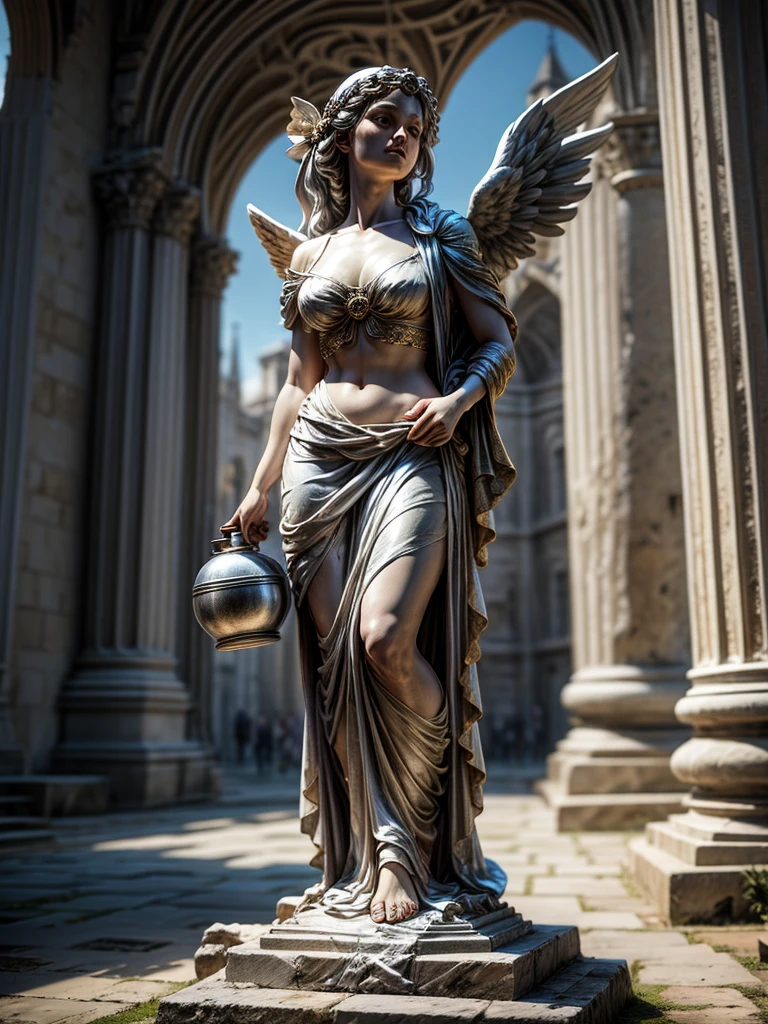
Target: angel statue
(385,439)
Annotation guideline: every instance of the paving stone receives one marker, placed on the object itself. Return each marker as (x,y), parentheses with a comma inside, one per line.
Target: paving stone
(549,909)
(714,1015)
(632,945)
(600,870)
(607,919)
(583,885)
(696,996)
(27,1010)
(706,972)
(743,941)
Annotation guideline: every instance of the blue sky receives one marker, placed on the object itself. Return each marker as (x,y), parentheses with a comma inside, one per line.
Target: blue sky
(490,94)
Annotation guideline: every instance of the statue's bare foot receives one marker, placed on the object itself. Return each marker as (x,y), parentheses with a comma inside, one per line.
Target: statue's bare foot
(395,898)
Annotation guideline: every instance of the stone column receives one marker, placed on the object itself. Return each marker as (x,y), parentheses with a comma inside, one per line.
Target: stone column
(212,264)
(713,78)
(627,566)
(23,129)
(124,708)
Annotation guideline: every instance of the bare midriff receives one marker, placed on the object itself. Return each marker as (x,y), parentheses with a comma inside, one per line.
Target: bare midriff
(372,381)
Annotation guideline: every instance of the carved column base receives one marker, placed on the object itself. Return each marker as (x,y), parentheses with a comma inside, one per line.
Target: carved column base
(611,771)
(126,718)
(692,863)
(691,866)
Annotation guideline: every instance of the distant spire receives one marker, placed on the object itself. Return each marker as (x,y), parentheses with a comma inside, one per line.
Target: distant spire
(551,75)
(233,378)
(234,356)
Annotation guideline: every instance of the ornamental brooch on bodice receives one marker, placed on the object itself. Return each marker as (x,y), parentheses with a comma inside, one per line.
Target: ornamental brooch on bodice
(358,304)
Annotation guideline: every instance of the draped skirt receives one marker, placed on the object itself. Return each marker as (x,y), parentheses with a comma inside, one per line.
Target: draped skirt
(370,496)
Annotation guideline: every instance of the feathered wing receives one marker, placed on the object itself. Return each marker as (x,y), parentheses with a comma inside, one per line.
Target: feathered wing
(532,185)
(277,239)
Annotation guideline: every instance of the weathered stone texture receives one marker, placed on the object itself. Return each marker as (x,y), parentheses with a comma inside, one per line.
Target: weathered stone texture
(52,534)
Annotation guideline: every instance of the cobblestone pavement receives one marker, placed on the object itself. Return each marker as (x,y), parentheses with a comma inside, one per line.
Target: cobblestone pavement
(110,921)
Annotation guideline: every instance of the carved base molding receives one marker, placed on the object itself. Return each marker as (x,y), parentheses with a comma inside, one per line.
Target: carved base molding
(692,864)
(612,769)
(126,718)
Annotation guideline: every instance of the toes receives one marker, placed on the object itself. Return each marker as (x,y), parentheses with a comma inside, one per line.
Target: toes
(392,913)
(377,912)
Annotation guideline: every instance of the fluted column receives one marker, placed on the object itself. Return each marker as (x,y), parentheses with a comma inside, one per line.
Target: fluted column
(23,127)
(627,566)
(212,264)
(713,77)
(124,708)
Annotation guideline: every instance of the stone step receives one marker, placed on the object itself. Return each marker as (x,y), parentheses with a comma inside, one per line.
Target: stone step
(670,837)
(588,775)
(587,991)
(21,822)
(507,973)
(12,805)
(686,894)
(58,795)
(13,842)
(606,812)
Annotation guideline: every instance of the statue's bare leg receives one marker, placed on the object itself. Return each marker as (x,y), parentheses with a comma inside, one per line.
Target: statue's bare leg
(324,597)
(391,612)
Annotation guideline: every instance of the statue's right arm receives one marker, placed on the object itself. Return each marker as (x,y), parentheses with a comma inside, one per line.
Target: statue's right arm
(305,368)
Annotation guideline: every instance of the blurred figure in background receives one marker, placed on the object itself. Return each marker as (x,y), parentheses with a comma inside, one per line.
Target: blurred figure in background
(263,745)
(242,733)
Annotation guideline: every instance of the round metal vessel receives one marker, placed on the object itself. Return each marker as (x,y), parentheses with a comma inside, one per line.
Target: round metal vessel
(241,596)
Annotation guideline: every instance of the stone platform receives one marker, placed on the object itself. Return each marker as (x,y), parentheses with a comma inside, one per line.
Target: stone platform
(434,967)
(586,991)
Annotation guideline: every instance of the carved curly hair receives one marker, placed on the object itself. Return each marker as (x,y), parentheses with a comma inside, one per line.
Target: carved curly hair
(322,184)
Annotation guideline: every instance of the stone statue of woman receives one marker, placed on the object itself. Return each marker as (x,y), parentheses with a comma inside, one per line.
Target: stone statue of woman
(385,438)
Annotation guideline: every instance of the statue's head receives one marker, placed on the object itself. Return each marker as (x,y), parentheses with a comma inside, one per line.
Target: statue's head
(374,115)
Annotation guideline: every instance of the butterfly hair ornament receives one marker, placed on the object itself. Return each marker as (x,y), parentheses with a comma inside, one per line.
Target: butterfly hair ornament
(308,126)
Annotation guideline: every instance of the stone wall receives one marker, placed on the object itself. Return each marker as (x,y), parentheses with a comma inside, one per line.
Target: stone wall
(52,528)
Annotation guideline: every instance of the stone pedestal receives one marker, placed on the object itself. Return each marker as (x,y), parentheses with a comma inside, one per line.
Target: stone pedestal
(496,967)
(626,557)
(709,72)
(124,710)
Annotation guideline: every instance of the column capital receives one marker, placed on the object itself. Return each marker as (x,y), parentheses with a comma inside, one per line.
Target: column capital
(212,264)
(632,154)
(129,186)
(177,212)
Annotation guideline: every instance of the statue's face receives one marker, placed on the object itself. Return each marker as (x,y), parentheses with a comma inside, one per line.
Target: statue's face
(385,143)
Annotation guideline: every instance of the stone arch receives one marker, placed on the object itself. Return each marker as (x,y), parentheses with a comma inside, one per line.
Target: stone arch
(39,31)
(212,88)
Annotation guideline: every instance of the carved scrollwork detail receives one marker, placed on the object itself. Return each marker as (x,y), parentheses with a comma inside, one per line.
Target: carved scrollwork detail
(213,262)
(129,189)
(177,212)
(632,155)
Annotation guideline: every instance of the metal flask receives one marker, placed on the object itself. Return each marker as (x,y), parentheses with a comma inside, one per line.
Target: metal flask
(241,596)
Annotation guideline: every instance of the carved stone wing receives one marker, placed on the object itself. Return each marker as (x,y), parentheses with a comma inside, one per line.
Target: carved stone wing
(277,239)
(531,186)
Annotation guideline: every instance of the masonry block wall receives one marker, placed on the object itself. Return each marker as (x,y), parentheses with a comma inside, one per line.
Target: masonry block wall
(54,502)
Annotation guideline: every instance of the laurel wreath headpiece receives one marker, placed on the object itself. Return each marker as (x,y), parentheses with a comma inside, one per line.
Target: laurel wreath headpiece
(308,126)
